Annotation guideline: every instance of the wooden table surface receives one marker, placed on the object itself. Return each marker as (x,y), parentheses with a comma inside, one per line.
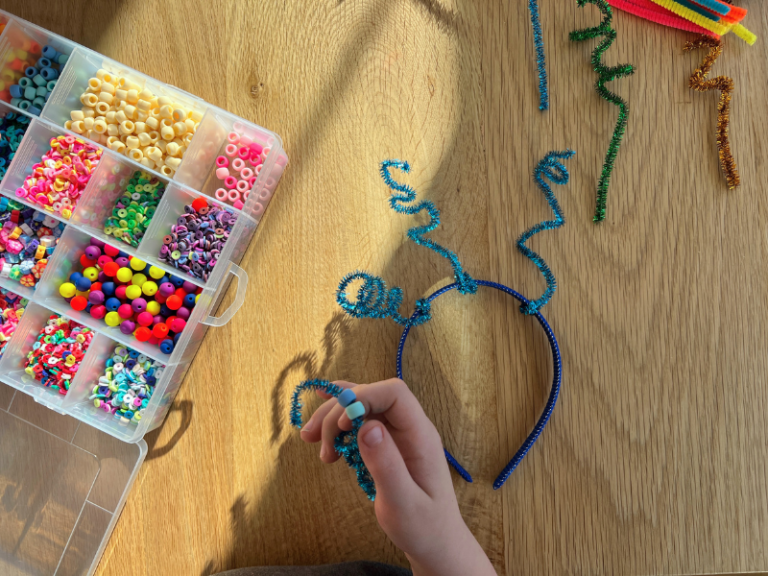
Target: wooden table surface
(654,461)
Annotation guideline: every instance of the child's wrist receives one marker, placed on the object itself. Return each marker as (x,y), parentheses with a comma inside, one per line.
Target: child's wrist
(458,553)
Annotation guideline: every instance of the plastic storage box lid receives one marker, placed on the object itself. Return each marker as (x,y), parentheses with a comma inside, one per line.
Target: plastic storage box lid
(62,487)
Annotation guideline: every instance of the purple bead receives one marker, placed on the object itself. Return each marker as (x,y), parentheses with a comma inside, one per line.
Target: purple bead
(96,242)
(158,319)
(183,313)
(127,327)
(92,252)
(166,289)
(96,297)
(103,278)
(188,287)
(122,261)
(139,305)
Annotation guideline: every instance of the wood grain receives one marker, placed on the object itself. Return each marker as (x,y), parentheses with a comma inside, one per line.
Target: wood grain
(654,462)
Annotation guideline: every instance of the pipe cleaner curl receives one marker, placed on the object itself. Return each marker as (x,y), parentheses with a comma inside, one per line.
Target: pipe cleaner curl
(606,74)
(346,443)
(724,84)
(555,171)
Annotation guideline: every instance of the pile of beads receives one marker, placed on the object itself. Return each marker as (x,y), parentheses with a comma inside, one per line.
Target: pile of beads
(133,211)
(12,306)
(245,157)
(34,88)
(27,240)
(56,355)
(127,385)
(124,291)
(58,180)
(197,238)
(12,129)
(133,121)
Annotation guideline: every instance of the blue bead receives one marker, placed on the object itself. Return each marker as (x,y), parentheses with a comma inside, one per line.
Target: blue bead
(16,91)
(108,288)
(43,63)
(83,284)
(189,300)
(30,72)
(112,304)
(346,398)
(176,281)
(49,73)
(166,346)
(34,110)
(75,276)
(50,52)
(176,338)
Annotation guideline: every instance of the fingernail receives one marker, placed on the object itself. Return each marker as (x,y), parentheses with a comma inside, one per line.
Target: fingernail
(373,437)
(308,426)
(322,452)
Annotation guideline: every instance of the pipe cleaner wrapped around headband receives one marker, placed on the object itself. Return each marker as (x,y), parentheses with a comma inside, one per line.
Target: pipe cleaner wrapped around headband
(374,300)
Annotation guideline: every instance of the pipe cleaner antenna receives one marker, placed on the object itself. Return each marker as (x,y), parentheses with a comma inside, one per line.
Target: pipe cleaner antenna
(374,300)
(555,171)
(538,42)
(699,82)
(346,443)
(606,74)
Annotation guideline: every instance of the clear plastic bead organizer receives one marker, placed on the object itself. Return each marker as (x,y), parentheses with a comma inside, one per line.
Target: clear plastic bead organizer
(66,466)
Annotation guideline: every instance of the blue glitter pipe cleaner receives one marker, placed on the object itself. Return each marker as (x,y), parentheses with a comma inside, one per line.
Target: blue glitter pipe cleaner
(374,300)
(538,42)
(551,168)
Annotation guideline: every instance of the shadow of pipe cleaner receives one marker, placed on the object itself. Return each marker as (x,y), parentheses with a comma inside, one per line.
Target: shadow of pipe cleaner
(699,82)
(555,171)
(346,443)
(606,74)
(374,300)
(541,65)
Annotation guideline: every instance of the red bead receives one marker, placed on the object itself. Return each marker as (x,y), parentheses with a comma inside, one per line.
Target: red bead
(174,302)
(177,324)
(199,203)
(98,312)
(180,292)
(111,268)
(125,311)
(104,260)
(96,286)
(85,262)
(79,303)
(142,334)
(111,251)
(159,298)
(160,330)
(120,292)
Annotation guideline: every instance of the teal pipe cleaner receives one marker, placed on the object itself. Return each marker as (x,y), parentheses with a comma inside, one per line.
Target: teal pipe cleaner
(555,171)
(346,442)
(374,300)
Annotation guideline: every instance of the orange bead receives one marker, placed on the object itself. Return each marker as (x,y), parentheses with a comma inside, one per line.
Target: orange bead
(142,334)
(111,268)
(174,302)
(160,330)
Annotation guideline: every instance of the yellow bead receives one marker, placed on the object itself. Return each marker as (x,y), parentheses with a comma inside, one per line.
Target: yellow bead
(91,273)
(149,288)
(138,264)
(112,319)
(156,272)
(138,280)
(153,308)
(133,292)
(124,275)
(67,290)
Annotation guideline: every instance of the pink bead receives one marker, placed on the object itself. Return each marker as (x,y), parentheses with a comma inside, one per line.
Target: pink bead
(222,162)
(256,148)
(258,209)
(233,138)
(252,181)
(233,195)
(21,193)
(222,173)
(257,169)
(230,182)
(238,164)
(242,185)
(244,152)
(238,205)
(221,194)
(245,141)
(245,195)
(230,150)
(246,173)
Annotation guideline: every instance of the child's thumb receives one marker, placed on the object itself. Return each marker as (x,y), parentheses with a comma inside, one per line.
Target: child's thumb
(384,461)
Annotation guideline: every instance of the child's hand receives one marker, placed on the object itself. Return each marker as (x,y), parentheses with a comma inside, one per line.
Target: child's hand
(415,502)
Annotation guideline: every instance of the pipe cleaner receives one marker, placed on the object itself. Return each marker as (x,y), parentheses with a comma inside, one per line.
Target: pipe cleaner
(541,65)
(550,167)
(374,300)
(731,22)
(655,13)
(606,74)
(699,82)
